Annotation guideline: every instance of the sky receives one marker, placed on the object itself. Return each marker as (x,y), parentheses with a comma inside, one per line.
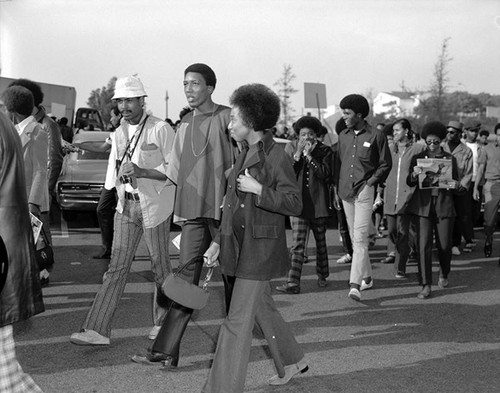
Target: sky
(352,46)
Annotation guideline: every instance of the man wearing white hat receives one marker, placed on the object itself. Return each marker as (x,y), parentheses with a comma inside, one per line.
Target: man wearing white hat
(139,158)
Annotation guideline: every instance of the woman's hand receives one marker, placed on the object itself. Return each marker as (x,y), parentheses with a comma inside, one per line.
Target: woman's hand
(452,184)
(247,183)
(211,255)
(301,144)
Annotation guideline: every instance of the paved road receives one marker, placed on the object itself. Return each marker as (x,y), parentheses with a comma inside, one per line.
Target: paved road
(389,342)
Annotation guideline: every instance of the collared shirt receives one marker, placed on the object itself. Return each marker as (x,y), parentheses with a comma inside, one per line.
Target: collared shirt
(476,149)
(364,158)
(490,157)
(463,155)
(21,126)
(153,152)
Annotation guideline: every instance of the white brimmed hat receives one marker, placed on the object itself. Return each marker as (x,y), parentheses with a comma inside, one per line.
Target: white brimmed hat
(129,87)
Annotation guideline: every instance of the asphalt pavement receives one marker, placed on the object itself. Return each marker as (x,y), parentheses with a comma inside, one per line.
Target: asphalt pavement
(389,342)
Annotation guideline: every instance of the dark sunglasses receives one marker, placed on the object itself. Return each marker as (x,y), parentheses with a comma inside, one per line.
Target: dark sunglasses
(433,143)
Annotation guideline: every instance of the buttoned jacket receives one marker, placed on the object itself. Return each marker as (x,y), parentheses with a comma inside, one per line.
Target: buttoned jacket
(320,173)
(263,254)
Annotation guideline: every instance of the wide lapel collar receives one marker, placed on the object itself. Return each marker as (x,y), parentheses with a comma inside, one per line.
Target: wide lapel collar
(264,145)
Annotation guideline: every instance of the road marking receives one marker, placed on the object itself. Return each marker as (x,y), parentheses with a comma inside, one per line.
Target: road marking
(64,228)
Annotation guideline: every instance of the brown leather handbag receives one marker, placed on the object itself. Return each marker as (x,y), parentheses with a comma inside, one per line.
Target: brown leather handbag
(185,293)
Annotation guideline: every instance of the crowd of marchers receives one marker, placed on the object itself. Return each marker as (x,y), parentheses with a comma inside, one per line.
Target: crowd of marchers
(220,174)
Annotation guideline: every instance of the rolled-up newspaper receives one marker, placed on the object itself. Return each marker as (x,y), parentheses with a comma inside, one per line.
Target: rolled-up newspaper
(36,226)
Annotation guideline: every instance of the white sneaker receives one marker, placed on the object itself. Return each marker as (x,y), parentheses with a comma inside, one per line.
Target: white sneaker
(354,294)
(365,286)
(154,332)
(89,337)
(290,372)
(455,250)
(345,259)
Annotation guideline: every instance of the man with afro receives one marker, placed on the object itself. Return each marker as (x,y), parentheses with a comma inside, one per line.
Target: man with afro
(364,161)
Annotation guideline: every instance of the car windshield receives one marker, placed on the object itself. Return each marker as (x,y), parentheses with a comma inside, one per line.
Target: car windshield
(90,155)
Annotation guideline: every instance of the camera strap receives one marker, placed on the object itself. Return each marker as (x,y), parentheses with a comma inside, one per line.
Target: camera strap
(129,143)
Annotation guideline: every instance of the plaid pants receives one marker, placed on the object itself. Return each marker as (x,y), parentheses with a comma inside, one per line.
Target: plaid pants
(300,229)
(12,377)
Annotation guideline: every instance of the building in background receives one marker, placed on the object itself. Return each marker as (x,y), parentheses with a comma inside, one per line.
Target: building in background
(395,104)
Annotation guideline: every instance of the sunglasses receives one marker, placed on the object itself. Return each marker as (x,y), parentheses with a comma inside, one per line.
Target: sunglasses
(433,143)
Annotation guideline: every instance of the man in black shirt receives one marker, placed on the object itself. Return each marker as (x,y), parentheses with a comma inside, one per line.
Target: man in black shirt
(364,162)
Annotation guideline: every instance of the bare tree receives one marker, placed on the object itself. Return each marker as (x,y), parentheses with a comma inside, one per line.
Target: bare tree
(440,83)
(285,90)
(100,99)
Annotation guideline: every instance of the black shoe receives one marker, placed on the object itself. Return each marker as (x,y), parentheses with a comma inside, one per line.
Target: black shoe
(44,282)
(290,289)
(487,249)
(170,363)
(104,255)
(154,359)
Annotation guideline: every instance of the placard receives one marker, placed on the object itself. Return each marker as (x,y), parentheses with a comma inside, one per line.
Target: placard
(436,173)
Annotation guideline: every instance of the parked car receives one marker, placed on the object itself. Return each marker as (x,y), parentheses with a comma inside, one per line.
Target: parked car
(82,177)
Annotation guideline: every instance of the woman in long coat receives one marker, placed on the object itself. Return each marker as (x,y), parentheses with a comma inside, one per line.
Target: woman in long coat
(21,295)
(434,207)
(262,190)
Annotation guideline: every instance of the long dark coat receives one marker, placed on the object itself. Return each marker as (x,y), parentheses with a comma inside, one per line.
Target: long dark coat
(21,296)
(260,222)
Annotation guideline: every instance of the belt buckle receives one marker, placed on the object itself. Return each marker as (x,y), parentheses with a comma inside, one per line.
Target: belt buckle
(132,196)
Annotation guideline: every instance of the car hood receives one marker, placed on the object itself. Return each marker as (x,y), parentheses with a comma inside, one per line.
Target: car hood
(84,171)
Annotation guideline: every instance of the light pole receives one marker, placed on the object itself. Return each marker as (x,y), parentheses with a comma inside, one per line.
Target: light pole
(166,104)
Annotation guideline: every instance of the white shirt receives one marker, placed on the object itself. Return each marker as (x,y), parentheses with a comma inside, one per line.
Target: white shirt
(474,147)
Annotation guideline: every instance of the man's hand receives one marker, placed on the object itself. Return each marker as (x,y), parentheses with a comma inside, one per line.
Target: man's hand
(35,210)
(247,183)
(131,170)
